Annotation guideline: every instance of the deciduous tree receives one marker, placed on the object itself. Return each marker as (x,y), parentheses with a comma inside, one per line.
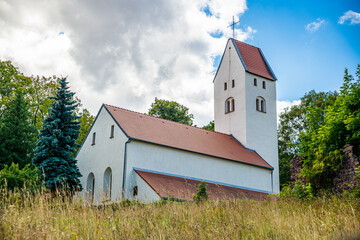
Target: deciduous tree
(171,110)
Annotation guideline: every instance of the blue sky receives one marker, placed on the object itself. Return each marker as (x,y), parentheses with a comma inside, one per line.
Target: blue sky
(301,59)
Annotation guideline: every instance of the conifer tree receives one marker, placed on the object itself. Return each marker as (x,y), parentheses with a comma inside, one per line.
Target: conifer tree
(57,143)
(17,135)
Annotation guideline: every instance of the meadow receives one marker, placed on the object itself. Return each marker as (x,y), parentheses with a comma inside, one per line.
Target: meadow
(44,216)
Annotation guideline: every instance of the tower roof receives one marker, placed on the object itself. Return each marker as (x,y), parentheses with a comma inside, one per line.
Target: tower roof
(145,128)
(253,60)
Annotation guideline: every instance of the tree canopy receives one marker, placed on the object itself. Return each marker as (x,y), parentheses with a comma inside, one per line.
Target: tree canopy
(293,122)
(322,145)
(210,126)
(171,110)
(318,129)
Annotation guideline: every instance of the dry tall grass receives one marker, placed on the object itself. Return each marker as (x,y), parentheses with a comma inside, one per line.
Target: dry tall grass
(41,216)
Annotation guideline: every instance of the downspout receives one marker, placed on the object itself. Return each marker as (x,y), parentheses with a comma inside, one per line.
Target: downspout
(124,171)
(272,185)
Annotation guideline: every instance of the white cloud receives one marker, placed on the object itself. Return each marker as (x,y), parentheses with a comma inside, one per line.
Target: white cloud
(314,26)
(120,52)
(351,16)
(281,105)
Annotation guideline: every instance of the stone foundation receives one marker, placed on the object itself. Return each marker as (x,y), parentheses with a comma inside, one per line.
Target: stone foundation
(345,178)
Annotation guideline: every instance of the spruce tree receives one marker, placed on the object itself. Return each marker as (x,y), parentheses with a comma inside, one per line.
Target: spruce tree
(17,135)
(57,143)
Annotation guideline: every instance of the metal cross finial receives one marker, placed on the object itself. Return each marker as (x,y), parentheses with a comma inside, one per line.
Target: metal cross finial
(233,26)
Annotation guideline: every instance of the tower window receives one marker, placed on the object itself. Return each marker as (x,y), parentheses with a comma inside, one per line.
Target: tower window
(112,131)
(229,105)
(225,86)
(255,82)
(233,83)
(264,85)
(260,104)
(93,138)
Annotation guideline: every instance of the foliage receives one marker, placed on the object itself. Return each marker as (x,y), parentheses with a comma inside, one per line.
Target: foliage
(293,122)
(14,177)
(86,120)
(210,126)
(57,142)
(322,145)
(43,216)
(10,80)
(17,135)
(36,91)
(201,194)
(303,192)
(39,90)
(172,111)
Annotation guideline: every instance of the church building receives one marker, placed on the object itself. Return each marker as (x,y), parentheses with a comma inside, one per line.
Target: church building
(130,155)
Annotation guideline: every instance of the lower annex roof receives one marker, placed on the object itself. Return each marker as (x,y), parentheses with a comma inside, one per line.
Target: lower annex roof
(184,188)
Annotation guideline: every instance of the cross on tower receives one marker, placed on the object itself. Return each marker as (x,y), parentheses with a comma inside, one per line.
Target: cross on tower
(233,26)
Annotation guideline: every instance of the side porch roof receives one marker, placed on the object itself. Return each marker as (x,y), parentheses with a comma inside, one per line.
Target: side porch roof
(184,188)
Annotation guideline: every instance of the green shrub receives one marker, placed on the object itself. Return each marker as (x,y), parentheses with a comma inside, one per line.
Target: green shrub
(286,191)
(201,194)
(15,178)
(299,191)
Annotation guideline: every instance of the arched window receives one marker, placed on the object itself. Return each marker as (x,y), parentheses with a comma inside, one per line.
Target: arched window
(107,183)
(90,186)
(260,104)
(229,105)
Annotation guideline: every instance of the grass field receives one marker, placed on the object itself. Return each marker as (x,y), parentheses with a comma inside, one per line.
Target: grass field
(40,216)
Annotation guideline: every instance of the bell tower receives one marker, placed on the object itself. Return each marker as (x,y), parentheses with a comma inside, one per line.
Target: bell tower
(245,101)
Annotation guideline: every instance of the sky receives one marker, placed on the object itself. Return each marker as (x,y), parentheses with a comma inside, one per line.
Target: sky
(126,53)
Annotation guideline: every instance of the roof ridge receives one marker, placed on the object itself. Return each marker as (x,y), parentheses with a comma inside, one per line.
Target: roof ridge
(144,114)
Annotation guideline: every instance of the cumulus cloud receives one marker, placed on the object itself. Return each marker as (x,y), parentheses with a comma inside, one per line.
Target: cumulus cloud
(350,17)
(120,52)
(314,26)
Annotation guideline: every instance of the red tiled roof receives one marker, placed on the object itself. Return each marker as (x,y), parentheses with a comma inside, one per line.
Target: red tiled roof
(151,129)
(254,61)
(183,188)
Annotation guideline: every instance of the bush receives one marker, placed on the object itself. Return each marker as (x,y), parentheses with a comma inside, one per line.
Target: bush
(15,178)
(201,194)
(299,191)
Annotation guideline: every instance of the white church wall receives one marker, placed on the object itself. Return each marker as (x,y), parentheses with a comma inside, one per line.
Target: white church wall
(231,68)
(172,161)
(262,127)
(106,152)
(145,192)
